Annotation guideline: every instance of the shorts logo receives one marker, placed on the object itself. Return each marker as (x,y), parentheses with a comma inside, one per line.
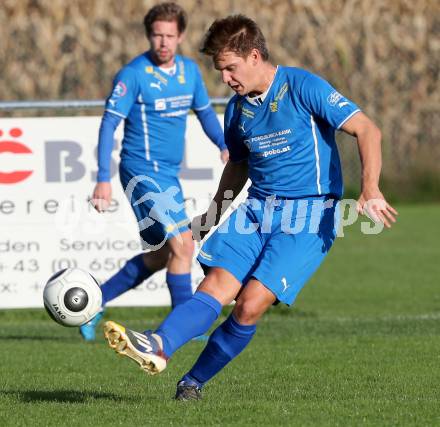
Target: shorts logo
(285,285)
(160,104)
(333,98)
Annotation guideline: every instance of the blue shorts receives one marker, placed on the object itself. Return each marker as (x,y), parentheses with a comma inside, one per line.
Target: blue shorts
(281,243)
(158,203)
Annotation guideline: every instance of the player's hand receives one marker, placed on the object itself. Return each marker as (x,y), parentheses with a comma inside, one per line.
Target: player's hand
(224,156)
(372,203)
(102,196)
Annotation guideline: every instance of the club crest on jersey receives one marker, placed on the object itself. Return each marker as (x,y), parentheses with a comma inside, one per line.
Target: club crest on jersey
(149,69)
(273,107)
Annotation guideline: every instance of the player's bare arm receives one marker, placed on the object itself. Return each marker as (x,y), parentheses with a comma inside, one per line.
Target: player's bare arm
(233,179)
(371,199)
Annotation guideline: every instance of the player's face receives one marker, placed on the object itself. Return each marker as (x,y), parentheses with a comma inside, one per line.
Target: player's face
(239,73)
(164,40)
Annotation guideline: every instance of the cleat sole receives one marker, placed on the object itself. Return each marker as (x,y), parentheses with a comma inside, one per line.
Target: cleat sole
(120,343)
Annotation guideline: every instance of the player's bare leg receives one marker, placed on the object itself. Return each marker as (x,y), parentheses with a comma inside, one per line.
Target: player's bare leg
(181,250)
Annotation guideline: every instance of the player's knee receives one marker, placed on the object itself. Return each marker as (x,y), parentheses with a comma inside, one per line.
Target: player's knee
(246,312)
(218,284)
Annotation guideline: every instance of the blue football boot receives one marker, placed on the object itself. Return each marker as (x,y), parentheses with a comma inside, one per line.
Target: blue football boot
(88,330)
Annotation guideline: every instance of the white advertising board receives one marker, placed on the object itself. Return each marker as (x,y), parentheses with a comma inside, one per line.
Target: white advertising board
(47,174)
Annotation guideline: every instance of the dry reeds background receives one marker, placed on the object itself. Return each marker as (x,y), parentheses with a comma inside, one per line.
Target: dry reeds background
(384,54)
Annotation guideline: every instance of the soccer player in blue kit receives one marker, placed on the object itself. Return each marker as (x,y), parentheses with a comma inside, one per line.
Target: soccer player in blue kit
(153,94)
(280,131)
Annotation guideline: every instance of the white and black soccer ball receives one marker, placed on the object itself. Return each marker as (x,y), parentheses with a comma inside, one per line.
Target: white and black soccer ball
(72,297)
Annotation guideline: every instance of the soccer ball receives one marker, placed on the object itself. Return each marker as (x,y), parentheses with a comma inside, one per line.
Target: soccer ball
(72,297)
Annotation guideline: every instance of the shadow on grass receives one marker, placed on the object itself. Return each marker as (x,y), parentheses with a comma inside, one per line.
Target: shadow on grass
(36,338)
(63,396)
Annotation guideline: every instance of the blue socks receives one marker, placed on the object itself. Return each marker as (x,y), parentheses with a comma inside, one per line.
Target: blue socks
(131,275)
(135,272)
(180,288)
(225,343)
(188,320)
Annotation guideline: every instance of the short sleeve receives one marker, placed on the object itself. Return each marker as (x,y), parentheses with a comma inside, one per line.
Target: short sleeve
(237,149)
(200,96)
(124,93)
(322,100)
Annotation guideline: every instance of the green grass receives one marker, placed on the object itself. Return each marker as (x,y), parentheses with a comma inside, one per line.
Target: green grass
(360,347)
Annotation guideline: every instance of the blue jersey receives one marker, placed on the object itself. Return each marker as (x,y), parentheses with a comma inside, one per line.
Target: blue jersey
(155,106)
(289,140)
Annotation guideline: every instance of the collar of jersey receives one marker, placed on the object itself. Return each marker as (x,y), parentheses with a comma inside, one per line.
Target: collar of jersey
(253,100)
(176,60)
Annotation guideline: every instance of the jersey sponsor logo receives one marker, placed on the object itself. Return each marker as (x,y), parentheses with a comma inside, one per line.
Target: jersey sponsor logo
(181,76)
(248,113)
(280,95)
(245,111)
(334,97)
(282,92)
(14,147)
(271,135)
(273,152)
(160,104)
(175,113)
(150,70)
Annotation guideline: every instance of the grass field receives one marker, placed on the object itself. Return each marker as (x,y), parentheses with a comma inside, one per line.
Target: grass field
(360,347)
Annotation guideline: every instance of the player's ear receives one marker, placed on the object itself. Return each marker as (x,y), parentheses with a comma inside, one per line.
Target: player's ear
(181,37)
(255,56)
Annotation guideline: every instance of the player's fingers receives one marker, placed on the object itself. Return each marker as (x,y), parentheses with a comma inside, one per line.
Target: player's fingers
(389,215)
(370,211)
(381,217)
(392,210)
(101,205)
